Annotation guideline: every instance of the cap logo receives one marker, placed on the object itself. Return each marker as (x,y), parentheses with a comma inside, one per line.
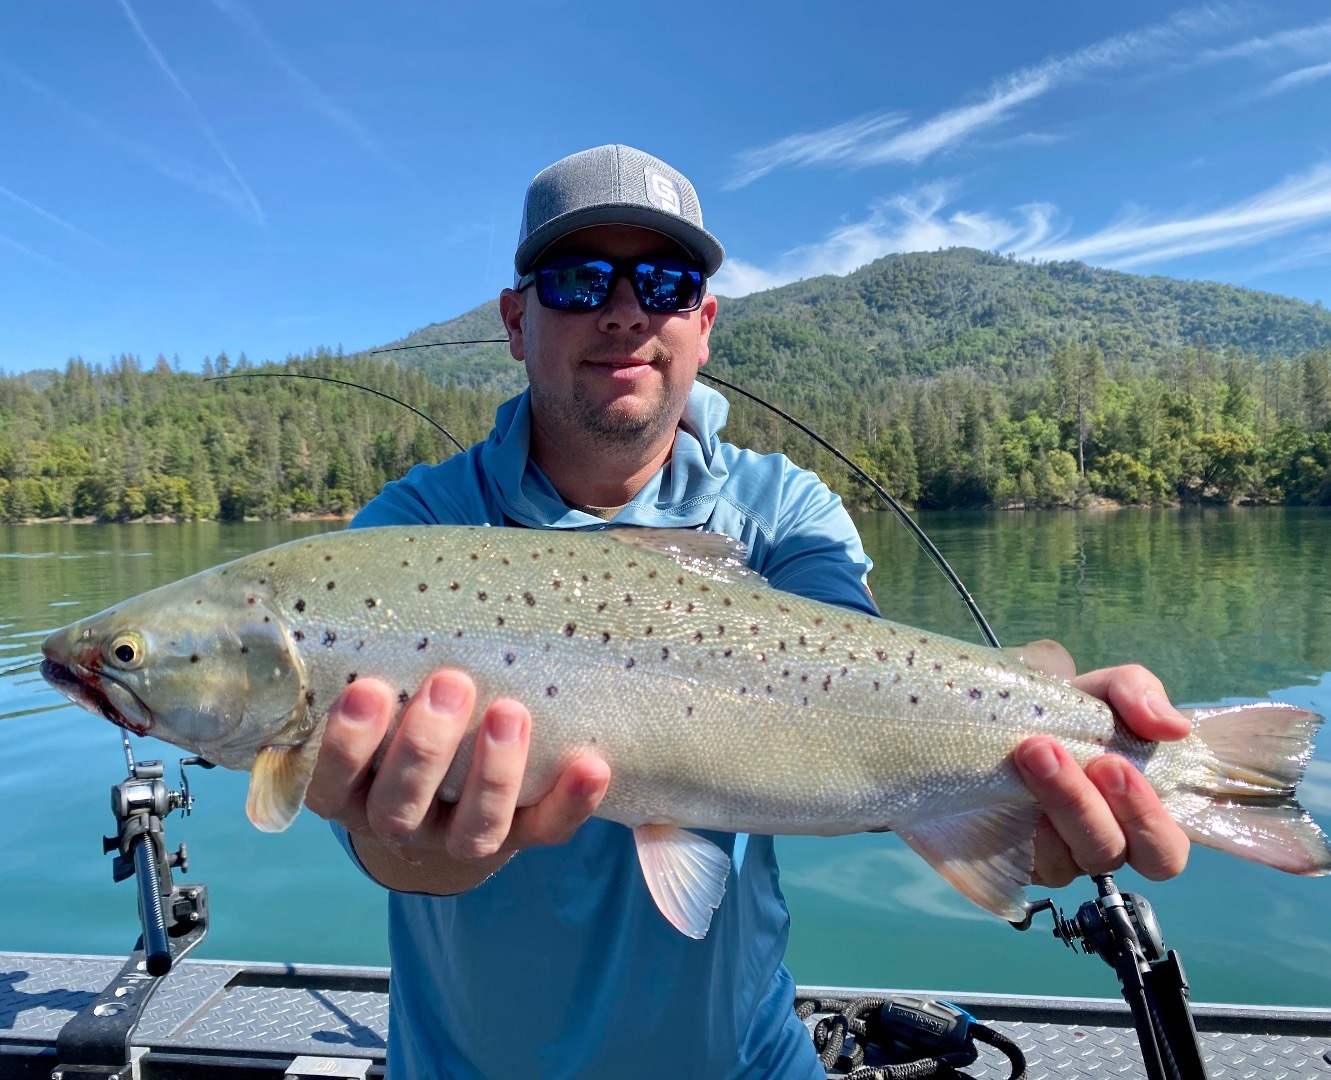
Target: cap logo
(662,192)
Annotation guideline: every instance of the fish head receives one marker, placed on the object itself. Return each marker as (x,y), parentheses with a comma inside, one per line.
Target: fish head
(208,669)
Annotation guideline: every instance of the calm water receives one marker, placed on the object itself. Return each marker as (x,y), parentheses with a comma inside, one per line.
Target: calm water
(1225,606)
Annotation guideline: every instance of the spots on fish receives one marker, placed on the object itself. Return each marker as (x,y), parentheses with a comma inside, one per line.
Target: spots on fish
(688,608)
(475,557)
(783,609)
(198,601)
(697,636)
(728,652)
(652,574)
(331,586)
(263,581)
(993,718)
(976,694)
(556,584)
(1005,694)
(818,621)
(351,676)
(845,670)
(569,628)
(628,598)
(438,558)
(937,666)
(607,576)
(827,682)
(274,563)
(453,586)
(688,710)
(300,604)
(667,605)
(647,632)
(947,683)
(704,588)
(628,664)
(780,646)
(892,631)
(371,602)
(875,684)
(423,643)
(299,635)
(896,677)
(805,701)
(679,581)
(309,698)
(506,561)
(405,564)
(720,630)
(528,599)
(803,640)
(962,656)
(458,632)
(244,650)
(329,638)
(629,565)
(194,658)
(924,641)
(914,699)
(753,628)
(785,672)
(551,691)
(360,644)
(327,558)
(804,678)
(403,697)
(665,652)
(743,689)
(267,619)
(1037,710)
(499,620)
(481,596)
(910,658)
(509,658)
(846,626)
(422,587)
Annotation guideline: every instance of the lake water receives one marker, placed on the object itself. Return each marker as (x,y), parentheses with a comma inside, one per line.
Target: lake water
(1225,605)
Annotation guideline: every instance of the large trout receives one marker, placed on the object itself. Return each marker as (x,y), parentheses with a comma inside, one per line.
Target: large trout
(718,701)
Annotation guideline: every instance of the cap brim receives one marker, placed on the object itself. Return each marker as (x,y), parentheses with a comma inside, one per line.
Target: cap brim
(699,243)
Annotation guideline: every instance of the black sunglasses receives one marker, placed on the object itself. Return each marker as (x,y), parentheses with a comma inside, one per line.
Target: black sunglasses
(584,283)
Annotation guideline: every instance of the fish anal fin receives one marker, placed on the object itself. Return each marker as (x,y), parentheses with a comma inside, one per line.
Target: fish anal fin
(1046,657)
(685,873)
(988,855)
(278,781)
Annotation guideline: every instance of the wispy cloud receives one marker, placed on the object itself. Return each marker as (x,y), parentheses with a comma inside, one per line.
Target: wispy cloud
(202,121)
(1299,39)
(27,252)
(174,168)
(47,215)
(876,140)
(312,95)
(1298,78)
(921,221)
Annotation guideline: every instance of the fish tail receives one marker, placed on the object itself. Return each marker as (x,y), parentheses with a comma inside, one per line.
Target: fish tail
(1246,803)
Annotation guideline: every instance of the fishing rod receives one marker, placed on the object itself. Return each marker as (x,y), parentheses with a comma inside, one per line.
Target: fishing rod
(921,537)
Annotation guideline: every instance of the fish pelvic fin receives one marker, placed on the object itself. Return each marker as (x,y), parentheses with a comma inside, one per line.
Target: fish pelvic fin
(1247,805)
(685,873)
(278,781)
(988,855)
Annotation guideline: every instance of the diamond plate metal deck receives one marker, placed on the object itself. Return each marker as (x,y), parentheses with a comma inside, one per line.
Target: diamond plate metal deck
(244,1013)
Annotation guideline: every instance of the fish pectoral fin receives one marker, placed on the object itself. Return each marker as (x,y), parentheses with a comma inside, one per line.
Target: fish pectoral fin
(987,855)
(278,781)
(1047,657)
(685,873)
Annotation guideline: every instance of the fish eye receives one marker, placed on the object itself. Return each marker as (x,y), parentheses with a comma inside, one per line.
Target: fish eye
(126,650)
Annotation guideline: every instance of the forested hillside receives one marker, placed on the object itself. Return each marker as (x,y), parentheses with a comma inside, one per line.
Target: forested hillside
(957,378)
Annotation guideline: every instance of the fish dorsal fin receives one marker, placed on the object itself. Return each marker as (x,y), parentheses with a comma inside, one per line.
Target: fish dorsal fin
(1046,657)
(685,873)
(712,554)
(987,854)
(278,781)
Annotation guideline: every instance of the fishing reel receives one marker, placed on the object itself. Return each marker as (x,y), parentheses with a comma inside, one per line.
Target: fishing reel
(1121,928)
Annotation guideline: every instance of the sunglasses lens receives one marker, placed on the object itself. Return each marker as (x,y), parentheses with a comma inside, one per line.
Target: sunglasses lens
(668,285)
(574,284)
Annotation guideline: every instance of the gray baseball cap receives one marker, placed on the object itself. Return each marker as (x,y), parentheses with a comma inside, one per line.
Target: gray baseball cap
(612,185)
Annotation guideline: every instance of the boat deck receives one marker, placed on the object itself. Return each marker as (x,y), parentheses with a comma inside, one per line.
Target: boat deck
(213,1018)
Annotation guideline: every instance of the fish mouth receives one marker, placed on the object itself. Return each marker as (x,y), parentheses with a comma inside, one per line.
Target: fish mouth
(83,687)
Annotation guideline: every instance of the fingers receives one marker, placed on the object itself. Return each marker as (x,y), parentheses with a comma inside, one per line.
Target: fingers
(357,724)
(1097,819)
(574,798)
(403,799)
(1138,698)
(481,821)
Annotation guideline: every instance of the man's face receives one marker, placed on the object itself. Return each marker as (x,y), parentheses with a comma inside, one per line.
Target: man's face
(618,375)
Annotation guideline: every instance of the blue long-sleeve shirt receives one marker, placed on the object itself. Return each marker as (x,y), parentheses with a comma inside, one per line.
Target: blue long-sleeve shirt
(560,964)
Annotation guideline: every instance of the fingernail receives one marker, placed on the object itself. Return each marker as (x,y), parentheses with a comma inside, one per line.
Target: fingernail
(445,696)
(1114,781)
(1041,761)
(1161,708)
(505,727)
(359,706)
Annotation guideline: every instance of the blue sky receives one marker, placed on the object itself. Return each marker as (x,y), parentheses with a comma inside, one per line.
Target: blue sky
(204,175)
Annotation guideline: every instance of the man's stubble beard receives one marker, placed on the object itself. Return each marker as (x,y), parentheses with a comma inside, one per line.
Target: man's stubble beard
(611,425)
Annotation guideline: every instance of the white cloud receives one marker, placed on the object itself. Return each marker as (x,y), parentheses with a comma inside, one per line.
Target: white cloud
(1301,39)
(875,139)
(204,126)
(1298,78)
(313,96)
(47,215)
(921,221)
(27,252)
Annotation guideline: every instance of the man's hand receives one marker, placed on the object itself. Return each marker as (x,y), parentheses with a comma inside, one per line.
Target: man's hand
(406,837)
(1098,819)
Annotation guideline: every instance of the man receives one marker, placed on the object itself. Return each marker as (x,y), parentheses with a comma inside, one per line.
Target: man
(523,941)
